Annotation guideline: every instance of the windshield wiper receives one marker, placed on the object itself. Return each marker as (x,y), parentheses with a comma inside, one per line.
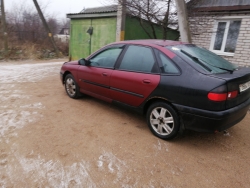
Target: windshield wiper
(202,61)
(196,59)
(231,71)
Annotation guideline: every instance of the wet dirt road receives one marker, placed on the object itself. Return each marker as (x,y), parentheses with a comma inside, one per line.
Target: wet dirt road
(50,140)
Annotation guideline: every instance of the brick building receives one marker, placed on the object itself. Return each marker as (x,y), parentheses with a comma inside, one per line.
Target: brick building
(223,27)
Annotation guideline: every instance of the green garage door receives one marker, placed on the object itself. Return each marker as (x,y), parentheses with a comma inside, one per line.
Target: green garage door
(79,39)
(104,32)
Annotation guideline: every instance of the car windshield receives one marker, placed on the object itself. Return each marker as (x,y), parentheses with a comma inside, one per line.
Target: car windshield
(209,61)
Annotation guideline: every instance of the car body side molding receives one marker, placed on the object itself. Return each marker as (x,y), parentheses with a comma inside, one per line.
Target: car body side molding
(127,92)
(96,84)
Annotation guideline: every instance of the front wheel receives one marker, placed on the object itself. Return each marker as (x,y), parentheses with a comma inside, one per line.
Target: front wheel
(163,120)
(71,87)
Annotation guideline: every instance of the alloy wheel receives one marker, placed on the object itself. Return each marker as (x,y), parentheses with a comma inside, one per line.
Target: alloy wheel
(162,121)
(70,86)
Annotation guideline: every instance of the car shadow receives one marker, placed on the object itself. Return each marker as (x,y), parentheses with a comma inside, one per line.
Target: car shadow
(195,141)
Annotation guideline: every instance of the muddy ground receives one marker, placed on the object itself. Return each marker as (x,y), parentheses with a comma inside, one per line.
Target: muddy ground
(50,140)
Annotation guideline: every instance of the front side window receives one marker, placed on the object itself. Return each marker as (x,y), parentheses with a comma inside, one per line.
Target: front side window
(106,58)
(225,38)
(138,59)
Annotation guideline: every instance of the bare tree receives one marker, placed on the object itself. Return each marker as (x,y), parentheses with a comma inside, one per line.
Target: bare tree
(27,33)
(65,23)
(154,13)
(54,25)
(25,22)
(3,23)
(46,26)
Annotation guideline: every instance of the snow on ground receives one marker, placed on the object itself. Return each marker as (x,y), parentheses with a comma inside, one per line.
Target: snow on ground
(27,72)
(114,165)
(17,112)
(54,173)
(13,117)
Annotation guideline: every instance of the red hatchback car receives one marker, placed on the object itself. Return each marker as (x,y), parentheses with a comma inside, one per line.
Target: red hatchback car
(177,85)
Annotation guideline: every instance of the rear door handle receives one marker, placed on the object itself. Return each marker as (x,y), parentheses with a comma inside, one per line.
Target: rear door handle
(146,81)
(105,74)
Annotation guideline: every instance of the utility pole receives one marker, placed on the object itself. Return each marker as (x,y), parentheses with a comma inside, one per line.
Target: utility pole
(121,18)
(124,3)
(183,21)
(3,20)
(46,27)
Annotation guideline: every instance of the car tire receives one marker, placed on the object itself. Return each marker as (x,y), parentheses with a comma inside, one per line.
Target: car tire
(163,121)
(71,87)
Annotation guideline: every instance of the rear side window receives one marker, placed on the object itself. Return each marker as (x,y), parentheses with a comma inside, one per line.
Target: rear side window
(167,65)
(138,59)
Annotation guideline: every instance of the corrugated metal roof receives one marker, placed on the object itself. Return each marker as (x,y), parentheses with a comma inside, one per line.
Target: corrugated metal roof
(94,10)
(219,3)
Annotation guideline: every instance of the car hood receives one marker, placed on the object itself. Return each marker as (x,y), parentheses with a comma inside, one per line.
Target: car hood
(72,63)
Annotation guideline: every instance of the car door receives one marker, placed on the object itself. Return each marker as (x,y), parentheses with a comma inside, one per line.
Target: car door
(94,78)
(135,77)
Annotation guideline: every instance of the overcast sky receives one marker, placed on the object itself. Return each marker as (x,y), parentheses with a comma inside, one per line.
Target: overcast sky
(59,7)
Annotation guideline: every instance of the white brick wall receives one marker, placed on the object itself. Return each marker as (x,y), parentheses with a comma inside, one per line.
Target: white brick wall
(242,53)
(202,29)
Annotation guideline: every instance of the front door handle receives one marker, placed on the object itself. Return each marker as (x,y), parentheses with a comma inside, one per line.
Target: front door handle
(146,81)
(105,74)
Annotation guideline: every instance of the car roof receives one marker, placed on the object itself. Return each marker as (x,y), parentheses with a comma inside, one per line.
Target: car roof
(152,42)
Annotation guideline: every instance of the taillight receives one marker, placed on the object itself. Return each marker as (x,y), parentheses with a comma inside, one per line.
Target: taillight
(217,96)
(221,94)
(232,94)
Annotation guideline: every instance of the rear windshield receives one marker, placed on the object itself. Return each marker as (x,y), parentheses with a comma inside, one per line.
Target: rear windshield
(208,61)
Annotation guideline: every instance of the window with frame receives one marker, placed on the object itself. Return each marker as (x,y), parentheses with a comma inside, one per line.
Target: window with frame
(138,59)
(168,66)
(224,40)
(106,59)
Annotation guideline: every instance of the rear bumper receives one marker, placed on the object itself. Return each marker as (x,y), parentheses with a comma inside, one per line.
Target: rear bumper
(210,121)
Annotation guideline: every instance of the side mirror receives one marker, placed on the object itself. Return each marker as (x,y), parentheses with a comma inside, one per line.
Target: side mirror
(84,62)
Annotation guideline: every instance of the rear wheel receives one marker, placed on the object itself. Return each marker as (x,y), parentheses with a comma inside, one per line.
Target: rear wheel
(163,120)
(71,87)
